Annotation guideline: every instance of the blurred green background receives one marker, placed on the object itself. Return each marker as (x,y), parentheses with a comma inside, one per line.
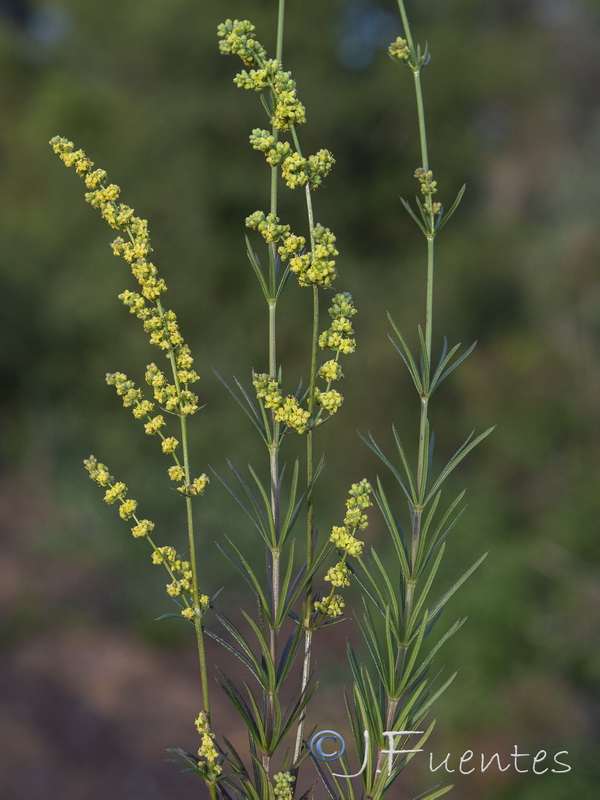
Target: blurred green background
(93,690)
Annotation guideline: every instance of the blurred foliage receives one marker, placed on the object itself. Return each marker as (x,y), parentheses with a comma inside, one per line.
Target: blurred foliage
(512,103)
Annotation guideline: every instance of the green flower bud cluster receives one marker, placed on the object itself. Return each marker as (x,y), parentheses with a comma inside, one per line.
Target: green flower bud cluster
(428,188)
(116,491)
(425,178)
(339,336)
(343,537)
(269,226)
(286,409)
(237,37)
(282,786)
(317,268)
(399,50)
(207,752)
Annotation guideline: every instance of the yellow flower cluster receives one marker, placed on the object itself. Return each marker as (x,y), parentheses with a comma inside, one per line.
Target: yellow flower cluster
(331,371)
(344,539)
(207,750)
(190,613)
(237,37)
(399,50)
(269,226)
(282,786)
(275,152)
(332,606)
(173,398)
(317,268)
(180,571)
(330,401)
(116,491)
(135,248)
(297,170)
(286,409)
(196,487)
(338,574)
(339,336)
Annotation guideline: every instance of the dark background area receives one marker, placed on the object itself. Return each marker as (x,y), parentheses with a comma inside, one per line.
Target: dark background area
(93,690)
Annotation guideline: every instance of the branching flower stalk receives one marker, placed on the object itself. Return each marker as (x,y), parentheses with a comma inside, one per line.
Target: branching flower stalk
(315,268)
(401,668)
(396,692)
(175,399)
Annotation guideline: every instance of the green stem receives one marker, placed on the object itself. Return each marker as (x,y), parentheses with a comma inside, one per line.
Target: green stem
(274,445)
(309,478)
(429,304)
(421,115)
(418,91)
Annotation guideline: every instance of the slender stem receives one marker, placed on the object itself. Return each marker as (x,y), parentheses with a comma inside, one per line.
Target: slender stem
(418,91)
(280,21)
(193,563)
(274,446)
(429,302)
(421,115)
(309,478)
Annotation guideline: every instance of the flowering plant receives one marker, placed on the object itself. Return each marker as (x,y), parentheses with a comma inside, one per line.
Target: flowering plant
(299,595)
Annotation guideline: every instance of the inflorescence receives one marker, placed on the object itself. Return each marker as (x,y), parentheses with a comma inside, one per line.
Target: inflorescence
(344,538)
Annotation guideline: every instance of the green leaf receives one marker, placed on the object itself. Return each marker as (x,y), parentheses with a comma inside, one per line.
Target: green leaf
(424,708)
(406,356)
(462,451)
(429,657)
(267,503)
(268,665)
(447,368)
(438,606)
(248,407)
(247,573)
(405,464)
(406,205)
(433,795)
(445,218)
(256,266)
(395,528)
(425,589)
(256,515)
(425,364)
(253,724)
(377,449)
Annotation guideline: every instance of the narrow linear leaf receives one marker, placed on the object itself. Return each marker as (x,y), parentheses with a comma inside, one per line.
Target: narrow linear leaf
(462,451)
(449,214)
(447,595)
